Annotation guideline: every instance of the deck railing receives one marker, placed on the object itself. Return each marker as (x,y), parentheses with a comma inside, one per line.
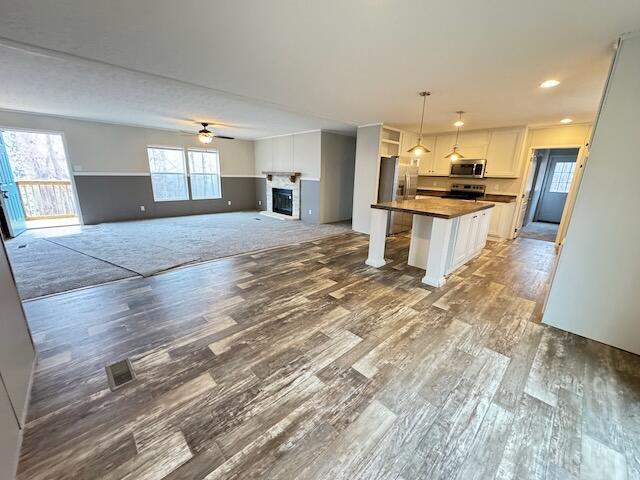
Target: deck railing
(47,199)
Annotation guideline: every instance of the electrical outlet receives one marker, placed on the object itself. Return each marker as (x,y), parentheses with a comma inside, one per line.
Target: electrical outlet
(229,202)
(309,212)
(142,209)
(259,202)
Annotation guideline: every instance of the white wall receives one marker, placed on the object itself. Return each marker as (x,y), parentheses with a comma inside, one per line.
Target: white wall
(299,152)
(336,184)
(106,148)
(595,289)
(367,170)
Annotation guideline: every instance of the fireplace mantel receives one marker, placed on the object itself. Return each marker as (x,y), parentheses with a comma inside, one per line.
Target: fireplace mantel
(292,175)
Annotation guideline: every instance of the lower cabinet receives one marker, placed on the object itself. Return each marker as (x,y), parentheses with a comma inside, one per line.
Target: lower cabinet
(469,237)
(501,220)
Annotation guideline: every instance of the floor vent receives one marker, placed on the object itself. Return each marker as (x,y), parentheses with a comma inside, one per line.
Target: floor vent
(24,245)
(120,373)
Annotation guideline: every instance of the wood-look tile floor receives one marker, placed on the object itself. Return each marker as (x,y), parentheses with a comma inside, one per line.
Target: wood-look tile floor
(302,362)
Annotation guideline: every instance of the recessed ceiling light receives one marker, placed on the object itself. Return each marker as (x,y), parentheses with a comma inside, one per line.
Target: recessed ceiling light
(549,84)
(566,120)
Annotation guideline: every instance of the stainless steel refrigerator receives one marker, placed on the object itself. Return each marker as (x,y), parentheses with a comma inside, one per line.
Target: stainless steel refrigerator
(398,181)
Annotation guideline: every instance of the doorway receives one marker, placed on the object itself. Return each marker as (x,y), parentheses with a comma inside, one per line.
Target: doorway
(36,189)
(548,185)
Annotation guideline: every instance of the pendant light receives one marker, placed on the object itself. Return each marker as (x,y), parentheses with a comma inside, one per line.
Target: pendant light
(455,154)
(419,148)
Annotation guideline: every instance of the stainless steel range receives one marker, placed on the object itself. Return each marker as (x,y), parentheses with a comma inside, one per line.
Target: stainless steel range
(466,191)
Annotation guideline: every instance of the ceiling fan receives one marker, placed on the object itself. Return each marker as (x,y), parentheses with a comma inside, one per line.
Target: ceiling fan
(206,136)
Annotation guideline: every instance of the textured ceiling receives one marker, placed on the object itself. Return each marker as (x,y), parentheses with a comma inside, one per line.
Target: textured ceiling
(276,66)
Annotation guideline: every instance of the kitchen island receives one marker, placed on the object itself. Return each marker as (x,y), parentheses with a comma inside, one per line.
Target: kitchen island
(446,234)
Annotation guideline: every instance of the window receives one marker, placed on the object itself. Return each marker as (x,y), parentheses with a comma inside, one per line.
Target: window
(168,174)
(204,174)
(562,176)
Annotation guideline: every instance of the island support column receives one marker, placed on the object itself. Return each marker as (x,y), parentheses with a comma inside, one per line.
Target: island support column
(377,237)
(438,252)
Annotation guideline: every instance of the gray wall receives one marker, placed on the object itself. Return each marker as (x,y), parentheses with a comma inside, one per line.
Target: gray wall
(17,356)
(595,289)
(338,156)
(310,201)
(120,149)
(119,197)
(261,193)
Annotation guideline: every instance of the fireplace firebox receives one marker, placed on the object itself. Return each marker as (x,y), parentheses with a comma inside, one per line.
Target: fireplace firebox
(282,201)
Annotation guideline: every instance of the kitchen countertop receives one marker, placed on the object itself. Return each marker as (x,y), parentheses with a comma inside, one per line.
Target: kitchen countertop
(489,197)
(435,207)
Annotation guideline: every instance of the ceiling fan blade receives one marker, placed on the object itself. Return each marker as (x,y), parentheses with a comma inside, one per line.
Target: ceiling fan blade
(224,137)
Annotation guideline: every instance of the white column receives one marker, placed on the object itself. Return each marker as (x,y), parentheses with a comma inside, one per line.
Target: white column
(377,237)
(438,252)
(420,239)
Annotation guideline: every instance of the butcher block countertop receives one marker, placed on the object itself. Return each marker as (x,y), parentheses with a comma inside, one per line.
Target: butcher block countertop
(435,207)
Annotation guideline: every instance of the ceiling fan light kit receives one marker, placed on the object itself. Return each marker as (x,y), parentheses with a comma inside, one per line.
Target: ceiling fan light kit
(419,148)
(205,135)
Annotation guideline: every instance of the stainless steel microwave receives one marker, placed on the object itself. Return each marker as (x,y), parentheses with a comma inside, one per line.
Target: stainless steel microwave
(467,168)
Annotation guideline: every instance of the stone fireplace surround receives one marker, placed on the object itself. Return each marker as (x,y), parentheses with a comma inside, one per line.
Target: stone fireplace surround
(283,180)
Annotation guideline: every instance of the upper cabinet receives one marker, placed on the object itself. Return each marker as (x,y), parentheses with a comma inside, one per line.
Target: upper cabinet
(503,154)
(425,161)
(444,145)
(501,149)
(474,144)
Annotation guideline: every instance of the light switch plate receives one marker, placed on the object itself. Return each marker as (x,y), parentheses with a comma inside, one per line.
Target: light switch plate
(142,209)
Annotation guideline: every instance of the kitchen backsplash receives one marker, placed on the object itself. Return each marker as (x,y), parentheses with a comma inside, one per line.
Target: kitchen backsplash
(502,186)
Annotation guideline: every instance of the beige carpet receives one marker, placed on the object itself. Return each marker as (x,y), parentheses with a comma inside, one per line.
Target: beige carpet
(110,251)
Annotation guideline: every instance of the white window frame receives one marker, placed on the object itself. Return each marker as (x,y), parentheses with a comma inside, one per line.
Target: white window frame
(555,185)
(217,174)
(185,174)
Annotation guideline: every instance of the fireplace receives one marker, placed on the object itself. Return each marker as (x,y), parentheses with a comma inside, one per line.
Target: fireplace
(282,201)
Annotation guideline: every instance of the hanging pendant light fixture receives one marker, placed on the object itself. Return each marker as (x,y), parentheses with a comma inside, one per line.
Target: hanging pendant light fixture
(455,154)
(419,148)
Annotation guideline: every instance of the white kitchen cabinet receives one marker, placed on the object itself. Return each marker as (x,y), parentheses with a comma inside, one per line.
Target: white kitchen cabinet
(470,237)
(441,165)
(503,154)
(407,140)
(461,249)
(425,161)
(501,220)
(474,144)
(484,227)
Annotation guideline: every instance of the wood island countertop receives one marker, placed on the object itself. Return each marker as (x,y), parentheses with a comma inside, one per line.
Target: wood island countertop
(434,207)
